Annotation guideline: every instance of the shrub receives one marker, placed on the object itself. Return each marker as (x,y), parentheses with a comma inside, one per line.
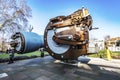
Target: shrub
(102,53)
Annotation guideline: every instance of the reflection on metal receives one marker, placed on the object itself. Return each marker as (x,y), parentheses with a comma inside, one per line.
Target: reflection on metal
(67,36)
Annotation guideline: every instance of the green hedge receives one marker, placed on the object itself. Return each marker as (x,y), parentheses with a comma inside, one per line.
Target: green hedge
(5,57)
(36,53)
(102,54)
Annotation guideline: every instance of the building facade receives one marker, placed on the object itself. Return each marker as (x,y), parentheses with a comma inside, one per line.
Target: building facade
(113,44)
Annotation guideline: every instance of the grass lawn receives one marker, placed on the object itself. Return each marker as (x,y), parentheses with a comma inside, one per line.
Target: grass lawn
(115,53)
(103,54)
(36,53)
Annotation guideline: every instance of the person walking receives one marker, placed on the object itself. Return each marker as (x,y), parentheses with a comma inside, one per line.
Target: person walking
(11,56)
(42,52)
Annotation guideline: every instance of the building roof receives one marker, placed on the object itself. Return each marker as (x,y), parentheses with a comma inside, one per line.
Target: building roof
(114,39)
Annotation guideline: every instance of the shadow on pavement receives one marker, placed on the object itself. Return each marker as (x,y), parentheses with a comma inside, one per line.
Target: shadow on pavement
(46,69)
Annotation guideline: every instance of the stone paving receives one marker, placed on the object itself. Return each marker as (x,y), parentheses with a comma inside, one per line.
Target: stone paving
(46,69)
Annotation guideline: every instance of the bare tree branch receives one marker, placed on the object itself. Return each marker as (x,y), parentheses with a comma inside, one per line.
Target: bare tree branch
(14,16)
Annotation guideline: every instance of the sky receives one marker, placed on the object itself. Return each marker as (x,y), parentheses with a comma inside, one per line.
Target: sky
(105,14)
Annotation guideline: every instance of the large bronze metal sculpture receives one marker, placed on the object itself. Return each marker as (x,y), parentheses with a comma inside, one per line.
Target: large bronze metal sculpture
(65,37)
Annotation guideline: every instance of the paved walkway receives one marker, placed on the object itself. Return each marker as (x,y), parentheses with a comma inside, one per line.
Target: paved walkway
(46,69)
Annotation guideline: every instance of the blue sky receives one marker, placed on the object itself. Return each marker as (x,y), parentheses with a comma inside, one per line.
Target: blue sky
(105,14)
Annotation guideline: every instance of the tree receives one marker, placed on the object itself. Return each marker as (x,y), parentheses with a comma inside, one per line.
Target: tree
(118,43)
(14,16)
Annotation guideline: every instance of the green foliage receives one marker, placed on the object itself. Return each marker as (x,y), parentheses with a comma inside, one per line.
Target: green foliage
(102,54)
(3,55)
(36,53)
(115,53)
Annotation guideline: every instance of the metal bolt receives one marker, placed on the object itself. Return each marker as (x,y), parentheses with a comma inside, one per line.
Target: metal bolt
(62,56)
(52,54)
